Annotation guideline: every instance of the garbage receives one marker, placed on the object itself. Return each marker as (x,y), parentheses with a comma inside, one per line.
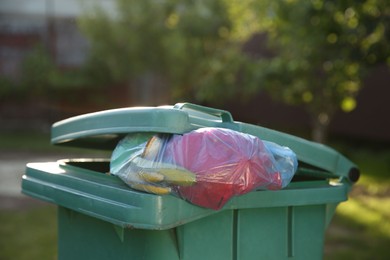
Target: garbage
(206,167)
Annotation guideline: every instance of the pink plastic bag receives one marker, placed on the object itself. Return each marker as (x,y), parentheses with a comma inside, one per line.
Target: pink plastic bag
(225,163)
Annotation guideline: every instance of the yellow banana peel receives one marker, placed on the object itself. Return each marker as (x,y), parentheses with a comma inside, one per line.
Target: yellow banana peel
(158,172)
(178,176)
(150,176)
(151,189)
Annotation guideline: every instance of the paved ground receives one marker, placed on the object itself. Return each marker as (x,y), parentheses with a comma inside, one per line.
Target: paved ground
(12,167)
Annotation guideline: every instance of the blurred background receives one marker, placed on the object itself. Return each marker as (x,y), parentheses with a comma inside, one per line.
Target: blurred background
(317,69)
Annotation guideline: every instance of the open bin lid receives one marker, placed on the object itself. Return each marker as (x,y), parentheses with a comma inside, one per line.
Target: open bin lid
(103,130)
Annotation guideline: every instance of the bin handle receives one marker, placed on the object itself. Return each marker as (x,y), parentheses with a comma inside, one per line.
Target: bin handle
(223,114)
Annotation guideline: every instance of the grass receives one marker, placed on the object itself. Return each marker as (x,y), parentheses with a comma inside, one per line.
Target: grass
(359,230)
(28,234)
(361,226)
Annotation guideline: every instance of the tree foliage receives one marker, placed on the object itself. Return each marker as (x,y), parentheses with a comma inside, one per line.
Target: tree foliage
(322,49)
(36,72)
(40,78)
(185,43)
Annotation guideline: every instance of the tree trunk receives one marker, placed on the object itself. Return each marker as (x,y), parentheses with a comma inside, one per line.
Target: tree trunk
(320,127)
(149,89)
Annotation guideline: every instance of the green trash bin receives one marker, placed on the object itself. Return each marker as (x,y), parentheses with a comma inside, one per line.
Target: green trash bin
(99,217)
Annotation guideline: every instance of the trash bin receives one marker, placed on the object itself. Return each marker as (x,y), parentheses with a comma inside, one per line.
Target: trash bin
(99,217)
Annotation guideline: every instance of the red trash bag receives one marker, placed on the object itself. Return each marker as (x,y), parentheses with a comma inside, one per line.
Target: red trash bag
(226,163)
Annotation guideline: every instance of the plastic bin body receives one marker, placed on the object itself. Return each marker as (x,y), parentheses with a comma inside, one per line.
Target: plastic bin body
(268,233)
(99,217)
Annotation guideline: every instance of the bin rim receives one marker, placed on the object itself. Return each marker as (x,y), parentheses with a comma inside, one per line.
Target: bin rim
(106,198)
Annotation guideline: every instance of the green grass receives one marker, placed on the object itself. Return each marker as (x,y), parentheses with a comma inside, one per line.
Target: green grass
(361,226)
(28,234)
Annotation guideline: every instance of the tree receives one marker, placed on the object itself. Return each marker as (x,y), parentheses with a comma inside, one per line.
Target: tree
(185,45)
(40,79)
(34,77)
(323,51)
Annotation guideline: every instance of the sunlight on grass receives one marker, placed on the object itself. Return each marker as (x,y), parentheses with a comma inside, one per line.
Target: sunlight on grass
(369,202)
(374,185)
(361,226)
(373,213)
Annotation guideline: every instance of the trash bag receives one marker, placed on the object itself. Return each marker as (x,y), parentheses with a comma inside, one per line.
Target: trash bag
(206,167)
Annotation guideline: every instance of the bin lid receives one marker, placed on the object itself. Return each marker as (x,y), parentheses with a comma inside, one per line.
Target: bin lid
(103,130)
